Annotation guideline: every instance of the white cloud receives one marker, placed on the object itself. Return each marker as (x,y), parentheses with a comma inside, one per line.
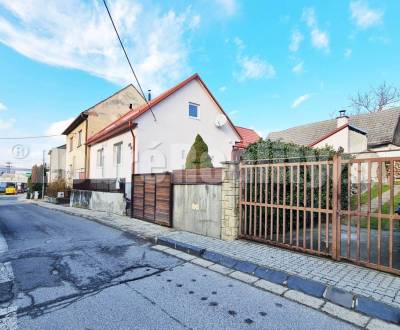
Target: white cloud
(309,17)
(298,68)
(222,89)
(363,16)
(319,38)
(348,53)
(229,7)
(251,67)
(79,35)
(6,124)
(2,107)
(301,99)
(195,22)
(58,127)
(254,68)
(295,41)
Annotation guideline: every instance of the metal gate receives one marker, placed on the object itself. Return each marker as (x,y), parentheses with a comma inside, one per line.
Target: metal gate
(341,208)
(152,198)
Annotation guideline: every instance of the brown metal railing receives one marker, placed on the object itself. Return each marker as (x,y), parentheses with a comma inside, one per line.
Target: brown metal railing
(342,208)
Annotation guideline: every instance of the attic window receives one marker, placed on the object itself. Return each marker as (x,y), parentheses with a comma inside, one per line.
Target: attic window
(193,110)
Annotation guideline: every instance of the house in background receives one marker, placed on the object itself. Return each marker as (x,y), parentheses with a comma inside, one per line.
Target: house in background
(57,163)
(377,133)
(90,122)
(141,142)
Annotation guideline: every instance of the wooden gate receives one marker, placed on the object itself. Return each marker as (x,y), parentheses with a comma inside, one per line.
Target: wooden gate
(152,198)
(341,208)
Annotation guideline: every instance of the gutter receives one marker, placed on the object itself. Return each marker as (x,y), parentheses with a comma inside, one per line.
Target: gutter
(132,125)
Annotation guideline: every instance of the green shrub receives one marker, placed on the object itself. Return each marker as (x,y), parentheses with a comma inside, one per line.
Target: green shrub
(198,156)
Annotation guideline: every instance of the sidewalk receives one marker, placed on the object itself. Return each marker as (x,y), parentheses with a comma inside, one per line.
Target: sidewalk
(379,286)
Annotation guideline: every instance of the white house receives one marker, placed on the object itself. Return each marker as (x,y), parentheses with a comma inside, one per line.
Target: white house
(157,136)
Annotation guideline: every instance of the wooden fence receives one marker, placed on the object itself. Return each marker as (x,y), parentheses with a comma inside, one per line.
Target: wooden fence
(152,198)
(331,208)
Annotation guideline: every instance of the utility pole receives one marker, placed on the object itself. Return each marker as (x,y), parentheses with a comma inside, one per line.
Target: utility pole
(44,172)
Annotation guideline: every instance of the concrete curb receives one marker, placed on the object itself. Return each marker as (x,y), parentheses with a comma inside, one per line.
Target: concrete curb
(357,303)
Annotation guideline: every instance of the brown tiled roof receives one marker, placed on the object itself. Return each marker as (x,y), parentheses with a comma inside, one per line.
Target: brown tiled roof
(379,126)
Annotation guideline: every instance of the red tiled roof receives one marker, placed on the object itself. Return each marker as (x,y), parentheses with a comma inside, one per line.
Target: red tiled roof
(122,124)
(248,135)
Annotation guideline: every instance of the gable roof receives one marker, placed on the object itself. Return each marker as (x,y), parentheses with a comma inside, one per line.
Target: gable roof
(248,135)
(379,126)
(84,114)
(336,130)
(122,124)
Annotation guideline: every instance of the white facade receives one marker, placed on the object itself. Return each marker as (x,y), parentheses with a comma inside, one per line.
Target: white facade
(162,145)
(351,141)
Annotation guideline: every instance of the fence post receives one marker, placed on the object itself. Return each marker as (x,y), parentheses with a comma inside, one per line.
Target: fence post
(230,201)
(336,195)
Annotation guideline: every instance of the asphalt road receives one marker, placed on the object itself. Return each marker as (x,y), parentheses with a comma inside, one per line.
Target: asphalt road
(72,273)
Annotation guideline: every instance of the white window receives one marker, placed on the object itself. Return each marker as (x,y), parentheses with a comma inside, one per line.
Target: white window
(100,157)
(79,138)
(194,110)
(117,153)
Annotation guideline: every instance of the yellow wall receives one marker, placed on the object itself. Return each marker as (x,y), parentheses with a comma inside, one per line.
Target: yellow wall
(76,157)
(99,116)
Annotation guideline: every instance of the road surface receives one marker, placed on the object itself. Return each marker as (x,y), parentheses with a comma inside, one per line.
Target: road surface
(72,273)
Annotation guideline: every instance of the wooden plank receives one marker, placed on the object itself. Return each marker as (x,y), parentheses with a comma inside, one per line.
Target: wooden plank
(319,205)
(305,205)
(245,199)
(271,227)
(284,204)
(369,212)
(278,202)
(380,211)
(358,209)
(312,208)
(291,204)
(298,205)
(348,229)
(391,211)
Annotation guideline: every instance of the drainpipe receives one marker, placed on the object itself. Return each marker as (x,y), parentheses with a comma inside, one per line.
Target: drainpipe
(133,164)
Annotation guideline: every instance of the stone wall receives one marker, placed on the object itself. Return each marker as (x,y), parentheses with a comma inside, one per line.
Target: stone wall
(230,201)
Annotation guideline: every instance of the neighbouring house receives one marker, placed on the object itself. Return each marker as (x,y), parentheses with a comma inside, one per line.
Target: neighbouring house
(377,132)
(90,122)
(57,163)
(157,136)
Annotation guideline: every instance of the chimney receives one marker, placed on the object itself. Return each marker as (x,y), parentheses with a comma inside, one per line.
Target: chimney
(149,95)
(342,119)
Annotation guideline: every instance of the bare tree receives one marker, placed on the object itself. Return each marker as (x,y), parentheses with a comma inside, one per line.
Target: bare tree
(375,99)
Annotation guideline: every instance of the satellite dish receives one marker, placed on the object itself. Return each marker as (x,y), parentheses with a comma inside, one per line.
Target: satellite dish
(220,120)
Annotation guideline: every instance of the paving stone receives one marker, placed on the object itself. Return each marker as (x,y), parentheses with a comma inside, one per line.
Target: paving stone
(220,269)
(378,309)
(339,297)
(271,275)
(201,262)
(243,277)
(376,324)
(172,251)
(189,248)
(346,314)
(159,247)
(304,299)
(307,286)
(185,256)
(271,287)
(167,242)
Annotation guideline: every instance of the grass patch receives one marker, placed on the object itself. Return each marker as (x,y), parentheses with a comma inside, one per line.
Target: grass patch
(364,195)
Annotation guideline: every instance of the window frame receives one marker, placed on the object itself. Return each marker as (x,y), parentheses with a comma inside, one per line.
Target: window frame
(117,146)
(197,110)
(79,138)
(71,143)
(100,158)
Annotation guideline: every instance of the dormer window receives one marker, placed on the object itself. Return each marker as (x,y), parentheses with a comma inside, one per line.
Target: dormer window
(194,111)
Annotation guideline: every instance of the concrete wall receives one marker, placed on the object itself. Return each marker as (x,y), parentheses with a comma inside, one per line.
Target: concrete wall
(99,201)
(197,209)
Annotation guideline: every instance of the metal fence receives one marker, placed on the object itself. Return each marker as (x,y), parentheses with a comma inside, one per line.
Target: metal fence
(341,208)
(104,185)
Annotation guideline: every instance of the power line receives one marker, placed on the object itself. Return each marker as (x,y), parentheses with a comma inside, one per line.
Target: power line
(127,58)
(29,137)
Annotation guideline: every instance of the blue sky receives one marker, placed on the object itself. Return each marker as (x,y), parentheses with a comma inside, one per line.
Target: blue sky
(271,64)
